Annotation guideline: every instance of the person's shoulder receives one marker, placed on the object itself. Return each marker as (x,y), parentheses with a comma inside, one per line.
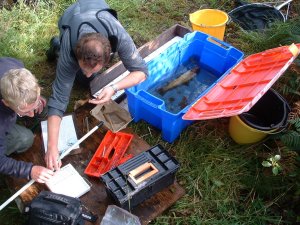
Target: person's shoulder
(112,23)
(7,63)
(106,14)
(11,62)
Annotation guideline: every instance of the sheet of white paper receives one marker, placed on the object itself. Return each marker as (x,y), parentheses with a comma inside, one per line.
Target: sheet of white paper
(67,134)
(68,181)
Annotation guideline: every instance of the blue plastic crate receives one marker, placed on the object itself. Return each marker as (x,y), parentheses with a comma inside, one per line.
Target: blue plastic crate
(215,58)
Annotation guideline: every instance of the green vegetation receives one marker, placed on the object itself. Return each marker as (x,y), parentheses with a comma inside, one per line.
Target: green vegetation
(274,163)
(225,183)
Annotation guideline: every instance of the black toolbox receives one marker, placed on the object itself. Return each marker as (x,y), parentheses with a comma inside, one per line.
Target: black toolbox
(141,177)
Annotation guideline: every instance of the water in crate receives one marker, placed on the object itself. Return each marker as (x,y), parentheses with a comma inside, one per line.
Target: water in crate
(182,79)
(184,86)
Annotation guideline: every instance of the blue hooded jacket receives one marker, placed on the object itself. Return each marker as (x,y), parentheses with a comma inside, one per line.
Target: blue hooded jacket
(8,118)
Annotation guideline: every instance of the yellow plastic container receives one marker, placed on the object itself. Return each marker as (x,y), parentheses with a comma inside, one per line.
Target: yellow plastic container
(209,21)
(241,133)
(268,116)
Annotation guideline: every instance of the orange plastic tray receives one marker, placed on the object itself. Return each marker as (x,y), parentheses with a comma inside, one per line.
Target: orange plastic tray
(244,85)
(109,154)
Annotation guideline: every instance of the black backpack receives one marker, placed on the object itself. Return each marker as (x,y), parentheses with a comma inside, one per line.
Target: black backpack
(49,208)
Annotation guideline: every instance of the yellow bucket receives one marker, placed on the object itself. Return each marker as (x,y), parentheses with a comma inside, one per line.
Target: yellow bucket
(209,21)
(268,116)
(241,133)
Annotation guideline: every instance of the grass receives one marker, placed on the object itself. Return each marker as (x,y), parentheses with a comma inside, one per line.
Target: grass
(11,214)
(280,34)
(225,183)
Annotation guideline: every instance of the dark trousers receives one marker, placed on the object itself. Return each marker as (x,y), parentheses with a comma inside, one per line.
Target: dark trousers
(19,139)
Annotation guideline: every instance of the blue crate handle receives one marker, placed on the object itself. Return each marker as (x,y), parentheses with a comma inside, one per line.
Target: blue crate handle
(150,99)
(198,35)
(218,42)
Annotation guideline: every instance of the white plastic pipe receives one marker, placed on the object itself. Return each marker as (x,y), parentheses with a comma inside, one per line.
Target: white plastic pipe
(60,157)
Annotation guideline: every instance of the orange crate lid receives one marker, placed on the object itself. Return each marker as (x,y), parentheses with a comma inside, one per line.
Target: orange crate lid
(110,153)
(244,85)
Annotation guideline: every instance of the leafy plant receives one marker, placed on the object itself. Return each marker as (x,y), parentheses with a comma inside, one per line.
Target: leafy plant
(291,139)
(279,34)
(290,82)
(273,162)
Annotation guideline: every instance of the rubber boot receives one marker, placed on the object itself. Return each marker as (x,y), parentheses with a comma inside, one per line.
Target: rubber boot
(53,52)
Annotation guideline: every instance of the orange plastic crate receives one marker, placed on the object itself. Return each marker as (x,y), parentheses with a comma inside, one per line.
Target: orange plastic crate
(109,154)
(244,85)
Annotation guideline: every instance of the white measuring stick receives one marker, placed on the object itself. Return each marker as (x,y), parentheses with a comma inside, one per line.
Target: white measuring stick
(61,156)
(16,194)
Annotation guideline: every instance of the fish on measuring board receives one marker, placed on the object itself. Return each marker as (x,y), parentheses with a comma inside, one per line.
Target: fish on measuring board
(182,79)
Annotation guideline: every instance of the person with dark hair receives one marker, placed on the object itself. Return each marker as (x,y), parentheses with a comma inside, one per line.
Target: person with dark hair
(89,34)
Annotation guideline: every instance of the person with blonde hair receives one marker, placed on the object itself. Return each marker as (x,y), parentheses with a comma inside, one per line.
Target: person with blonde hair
(20,96)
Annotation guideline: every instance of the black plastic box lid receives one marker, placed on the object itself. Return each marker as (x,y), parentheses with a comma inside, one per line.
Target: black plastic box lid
(151,170)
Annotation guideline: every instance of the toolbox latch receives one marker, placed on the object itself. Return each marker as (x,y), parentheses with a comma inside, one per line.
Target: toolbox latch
(142,172)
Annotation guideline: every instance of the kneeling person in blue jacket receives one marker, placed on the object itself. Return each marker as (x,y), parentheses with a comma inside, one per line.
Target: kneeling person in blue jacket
(20,96)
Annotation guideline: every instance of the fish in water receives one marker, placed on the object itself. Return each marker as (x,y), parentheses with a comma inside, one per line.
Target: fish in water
(182,79)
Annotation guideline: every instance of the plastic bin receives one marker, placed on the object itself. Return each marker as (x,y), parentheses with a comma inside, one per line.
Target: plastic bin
(115,215)
(215,58)
(110,153)
(141,177)
(246,83)
(269,115)
(210,21)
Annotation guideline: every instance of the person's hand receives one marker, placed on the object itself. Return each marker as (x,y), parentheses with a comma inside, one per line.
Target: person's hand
(41,174)
(52,159)
(41,105)
(104,96)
